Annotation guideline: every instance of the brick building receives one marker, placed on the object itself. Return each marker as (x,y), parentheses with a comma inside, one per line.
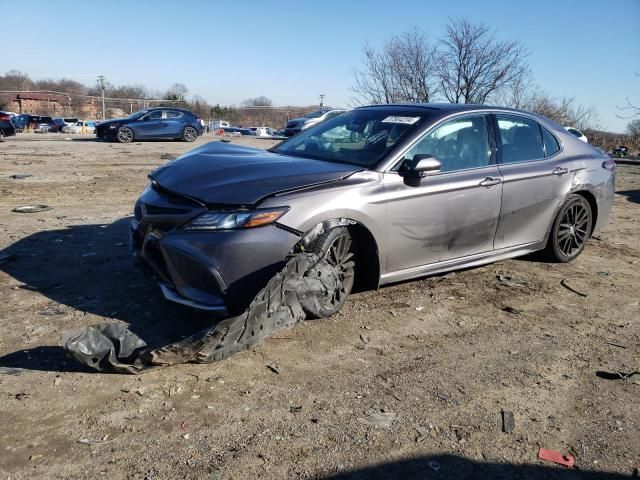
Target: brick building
(53,104)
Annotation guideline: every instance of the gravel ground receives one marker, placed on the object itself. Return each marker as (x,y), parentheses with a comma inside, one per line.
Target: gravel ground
(435,360)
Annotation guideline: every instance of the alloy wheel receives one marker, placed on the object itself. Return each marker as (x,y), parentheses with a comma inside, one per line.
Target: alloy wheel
(339,256)
(125,135)
(190,134)
(573,229)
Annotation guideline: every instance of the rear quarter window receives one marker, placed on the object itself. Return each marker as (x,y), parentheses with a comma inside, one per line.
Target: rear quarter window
(551,145)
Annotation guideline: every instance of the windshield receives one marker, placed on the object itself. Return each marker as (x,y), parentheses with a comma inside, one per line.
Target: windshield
(360,137)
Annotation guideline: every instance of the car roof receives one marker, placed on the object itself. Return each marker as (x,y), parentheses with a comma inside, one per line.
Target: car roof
(443,107)
(167,108)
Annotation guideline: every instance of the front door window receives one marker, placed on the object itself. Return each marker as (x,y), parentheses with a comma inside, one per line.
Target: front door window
(459,144)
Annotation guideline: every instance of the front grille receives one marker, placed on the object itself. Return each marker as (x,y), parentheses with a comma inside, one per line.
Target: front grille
(155,210)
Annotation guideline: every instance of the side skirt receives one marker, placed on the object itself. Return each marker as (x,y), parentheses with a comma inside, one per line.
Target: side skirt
(462,262)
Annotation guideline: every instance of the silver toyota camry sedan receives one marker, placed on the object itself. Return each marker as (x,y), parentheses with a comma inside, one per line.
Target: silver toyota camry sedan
(384,193)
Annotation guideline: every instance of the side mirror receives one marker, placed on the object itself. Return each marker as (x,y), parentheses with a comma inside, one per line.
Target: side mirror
(424,163)
(420,165)
(414,170)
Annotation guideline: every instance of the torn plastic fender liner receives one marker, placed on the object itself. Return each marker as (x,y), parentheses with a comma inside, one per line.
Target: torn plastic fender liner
(279,305)
(322,227)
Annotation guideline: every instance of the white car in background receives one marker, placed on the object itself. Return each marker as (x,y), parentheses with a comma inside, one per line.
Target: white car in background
(577,133)
(262,131)
(80,127)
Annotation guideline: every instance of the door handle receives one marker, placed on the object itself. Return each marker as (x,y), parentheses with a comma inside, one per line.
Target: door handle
(489,182)
(560,171)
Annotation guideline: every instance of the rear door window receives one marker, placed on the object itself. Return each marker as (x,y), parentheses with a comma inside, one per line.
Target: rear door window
(173,114)
(521,139)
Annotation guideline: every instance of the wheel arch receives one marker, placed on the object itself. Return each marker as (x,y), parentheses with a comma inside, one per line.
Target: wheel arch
(367,252)
(591,198)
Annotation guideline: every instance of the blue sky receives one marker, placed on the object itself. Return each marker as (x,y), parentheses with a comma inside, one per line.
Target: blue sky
(293,51)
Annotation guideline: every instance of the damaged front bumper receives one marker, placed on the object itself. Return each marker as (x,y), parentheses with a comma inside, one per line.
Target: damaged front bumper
(217,271)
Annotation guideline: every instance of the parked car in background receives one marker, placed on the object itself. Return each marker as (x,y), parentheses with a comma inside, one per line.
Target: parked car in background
(296,125)
(43,124)
(80,126)
(218,124)
(152,123)
(262,131)
(620,151)
(417,190)
(577,133)
(6,115)
(58,125)
(21,122)
(6,128)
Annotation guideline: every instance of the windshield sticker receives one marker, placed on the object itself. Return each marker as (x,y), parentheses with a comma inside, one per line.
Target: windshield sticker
(402,120)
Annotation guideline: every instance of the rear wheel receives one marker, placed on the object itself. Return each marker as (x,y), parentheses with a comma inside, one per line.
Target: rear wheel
(125,135)
(571,230)
(189,134)
(336,247)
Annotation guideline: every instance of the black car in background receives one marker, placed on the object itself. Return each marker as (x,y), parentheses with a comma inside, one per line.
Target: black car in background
(6,129)
(152,123)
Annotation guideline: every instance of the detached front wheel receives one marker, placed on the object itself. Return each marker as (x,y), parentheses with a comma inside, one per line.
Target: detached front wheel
(336,247)
(125,135)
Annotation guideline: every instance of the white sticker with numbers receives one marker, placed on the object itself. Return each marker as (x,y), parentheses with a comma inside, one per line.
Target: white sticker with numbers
(402,120)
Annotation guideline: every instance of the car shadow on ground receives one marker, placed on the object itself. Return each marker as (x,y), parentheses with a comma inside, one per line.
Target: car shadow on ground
(89,269)
(455,467)
(632,195)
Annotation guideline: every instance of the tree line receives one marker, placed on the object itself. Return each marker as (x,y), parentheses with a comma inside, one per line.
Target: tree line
(466,64)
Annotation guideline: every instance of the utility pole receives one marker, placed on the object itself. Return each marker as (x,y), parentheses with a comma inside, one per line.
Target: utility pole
(102,83)
(321,100)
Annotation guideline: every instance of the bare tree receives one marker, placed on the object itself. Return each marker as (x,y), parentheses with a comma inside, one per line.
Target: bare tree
(412,60)
(564,111)
(260,101)
(177,91)
(474,66)
(630,110)
(374,82)
(402,71)
(633,129)
(15,80)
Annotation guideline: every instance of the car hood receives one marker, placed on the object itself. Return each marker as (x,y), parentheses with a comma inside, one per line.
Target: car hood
(106,123)
(222,174)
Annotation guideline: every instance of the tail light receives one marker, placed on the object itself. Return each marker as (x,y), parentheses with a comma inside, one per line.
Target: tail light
(609,165)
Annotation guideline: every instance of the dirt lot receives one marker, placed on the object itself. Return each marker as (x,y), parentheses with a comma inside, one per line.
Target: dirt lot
(445,355)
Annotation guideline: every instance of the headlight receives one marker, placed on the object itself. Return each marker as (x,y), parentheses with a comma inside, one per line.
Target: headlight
(235,220)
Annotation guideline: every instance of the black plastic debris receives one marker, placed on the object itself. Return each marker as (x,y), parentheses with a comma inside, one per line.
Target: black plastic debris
(508,421)
(616,375)
(110,347)
(301,286)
